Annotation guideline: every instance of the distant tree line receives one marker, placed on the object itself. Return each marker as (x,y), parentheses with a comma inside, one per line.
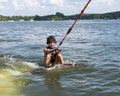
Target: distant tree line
(16,18)
(61,16)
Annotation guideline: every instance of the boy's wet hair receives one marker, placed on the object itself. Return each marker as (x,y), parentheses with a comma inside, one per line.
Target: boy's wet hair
(51,39)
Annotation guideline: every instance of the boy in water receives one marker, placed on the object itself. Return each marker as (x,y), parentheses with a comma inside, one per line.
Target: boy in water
(52,55)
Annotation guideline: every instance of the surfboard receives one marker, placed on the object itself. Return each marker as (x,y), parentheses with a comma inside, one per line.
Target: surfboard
(58,66)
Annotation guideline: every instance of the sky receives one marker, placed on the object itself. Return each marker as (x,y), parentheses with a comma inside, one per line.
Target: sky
(48,7)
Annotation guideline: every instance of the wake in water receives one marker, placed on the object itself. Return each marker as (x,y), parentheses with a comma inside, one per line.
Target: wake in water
(12,72)
(7,86)
(15,66)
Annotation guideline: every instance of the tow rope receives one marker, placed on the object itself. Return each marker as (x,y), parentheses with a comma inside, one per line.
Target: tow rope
(78,17)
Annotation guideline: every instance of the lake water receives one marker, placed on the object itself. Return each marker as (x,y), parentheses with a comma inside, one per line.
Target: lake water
(95,43)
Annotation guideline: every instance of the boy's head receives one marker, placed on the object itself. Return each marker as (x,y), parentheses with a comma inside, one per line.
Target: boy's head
(51,39)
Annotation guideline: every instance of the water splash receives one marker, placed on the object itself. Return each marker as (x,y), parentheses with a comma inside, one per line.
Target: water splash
(16,66)
(7,86)
(13,74)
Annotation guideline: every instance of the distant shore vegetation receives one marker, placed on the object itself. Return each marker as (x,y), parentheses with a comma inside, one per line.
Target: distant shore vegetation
(61,16)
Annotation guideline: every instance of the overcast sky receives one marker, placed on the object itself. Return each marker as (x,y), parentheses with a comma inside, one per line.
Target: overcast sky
(47,7)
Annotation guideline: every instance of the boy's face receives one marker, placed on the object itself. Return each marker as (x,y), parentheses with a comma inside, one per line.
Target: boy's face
(52,45)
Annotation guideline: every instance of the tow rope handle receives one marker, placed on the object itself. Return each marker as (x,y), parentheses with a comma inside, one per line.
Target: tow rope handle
(78,17)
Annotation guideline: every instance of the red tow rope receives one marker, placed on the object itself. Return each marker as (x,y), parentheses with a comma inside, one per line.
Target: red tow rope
(78,17)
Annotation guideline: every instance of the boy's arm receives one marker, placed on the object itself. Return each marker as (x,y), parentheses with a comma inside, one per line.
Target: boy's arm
(46,51)
(50,50)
